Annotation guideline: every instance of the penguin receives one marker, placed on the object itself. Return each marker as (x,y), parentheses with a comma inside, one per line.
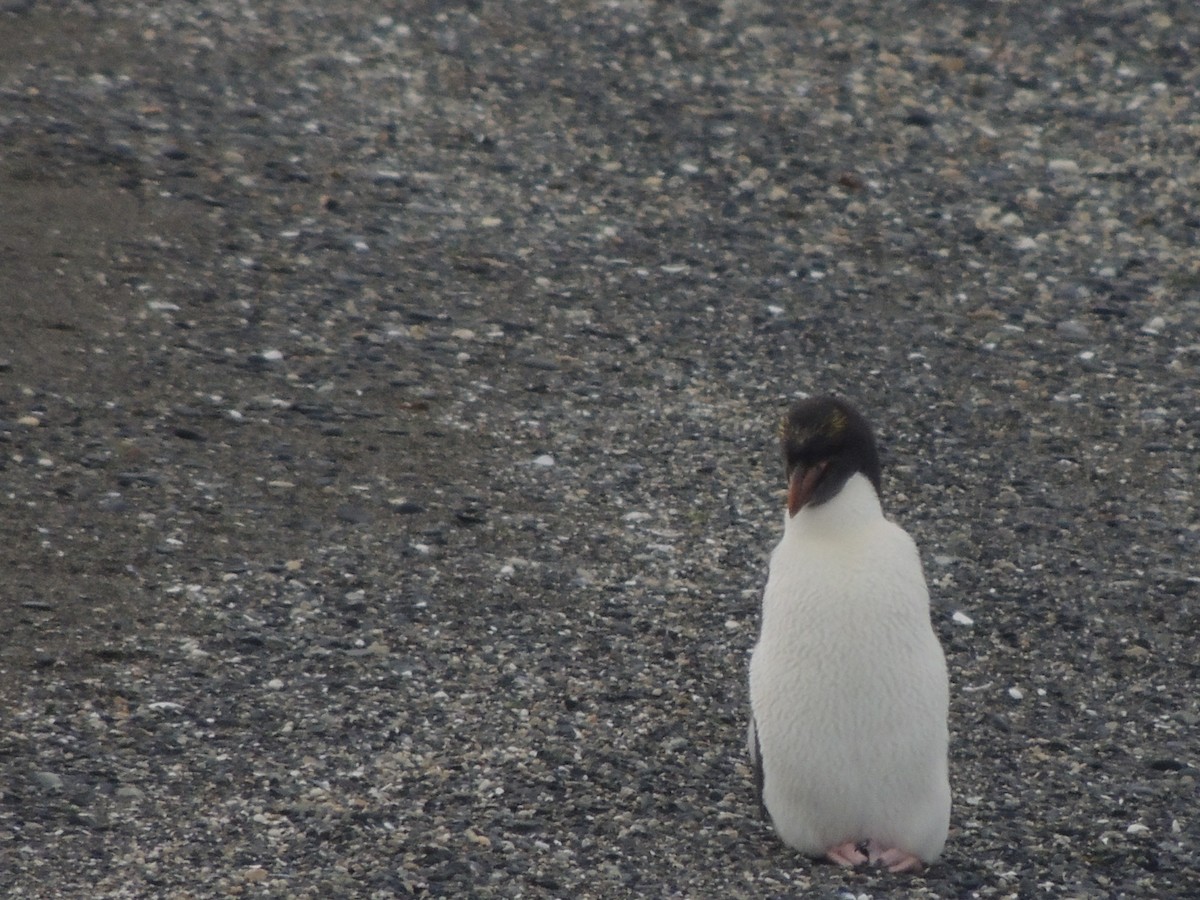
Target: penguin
(849,694)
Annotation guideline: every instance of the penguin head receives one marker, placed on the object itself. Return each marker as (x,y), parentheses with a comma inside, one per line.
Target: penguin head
(825,441)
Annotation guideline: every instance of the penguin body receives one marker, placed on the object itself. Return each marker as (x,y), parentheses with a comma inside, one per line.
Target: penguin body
(848,685)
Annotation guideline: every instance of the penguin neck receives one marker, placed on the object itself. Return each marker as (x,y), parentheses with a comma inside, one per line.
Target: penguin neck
(855,506)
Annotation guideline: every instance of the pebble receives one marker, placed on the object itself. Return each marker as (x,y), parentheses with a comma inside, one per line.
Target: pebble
(48,781)
(131,478)
(1063,166)
(112,503)
(545,460)
(1073,330)
(354,514)
(1154,325)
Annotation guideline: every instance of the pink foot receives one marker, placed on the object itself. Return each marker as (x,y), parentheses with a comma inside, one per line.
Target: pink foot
(847,854)
(895,860)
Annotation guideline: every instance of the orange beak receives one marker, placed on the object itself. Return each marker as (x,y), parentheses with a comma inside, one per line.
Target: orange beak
(801,486)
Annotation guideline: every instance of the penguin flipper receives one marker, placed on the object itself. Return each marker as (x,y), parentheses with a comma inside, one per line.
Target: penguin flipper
(755,751)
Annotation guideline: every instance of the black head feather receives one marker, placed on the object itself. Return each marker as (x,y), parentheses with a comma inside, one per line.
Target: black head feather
(828,440)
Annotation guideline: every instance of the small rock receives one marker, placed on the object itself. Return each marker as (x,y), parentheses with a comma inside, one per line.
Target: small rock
(476,838)
(961,618)
(471,514)
(1073,330)
(544,460)
(113,502)
(355,515)
(128,478)
(48,781)
(1167,764)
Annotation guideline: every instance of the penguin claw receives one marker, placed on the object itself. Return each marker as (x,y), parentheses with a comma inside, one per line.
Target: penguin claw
(847,854)
(891,858)
(896,860)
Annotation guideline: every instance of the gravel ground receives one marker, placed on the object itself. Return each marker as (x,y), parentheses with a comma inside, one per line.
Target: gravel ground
(387,413)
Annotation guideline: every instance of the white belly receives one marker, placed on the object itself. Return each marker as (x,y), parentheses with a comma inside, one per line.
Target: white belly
(849,695)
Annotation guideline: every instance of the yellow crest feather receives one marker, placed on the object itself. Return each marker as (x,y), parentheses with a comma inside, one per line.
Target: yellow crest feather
(836,423)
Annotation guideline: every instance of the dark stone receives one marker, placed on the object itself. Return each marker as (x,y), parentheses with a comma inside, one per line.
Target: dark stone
(354,514)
